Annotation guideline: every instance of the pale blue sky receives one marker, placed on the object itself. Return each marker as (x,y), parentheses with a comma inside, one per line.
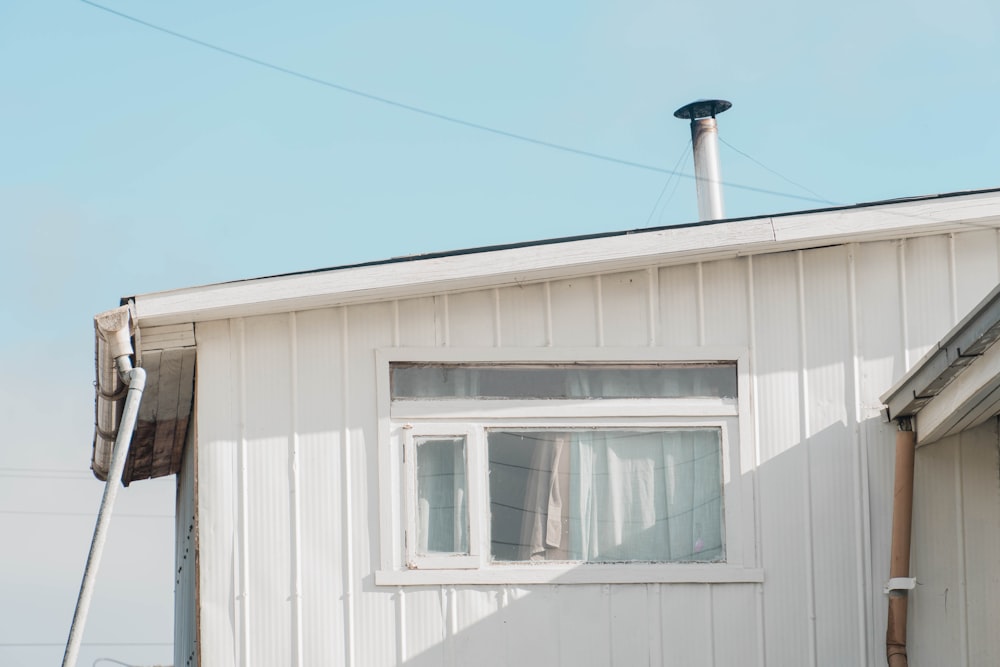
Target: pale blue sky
(133,161)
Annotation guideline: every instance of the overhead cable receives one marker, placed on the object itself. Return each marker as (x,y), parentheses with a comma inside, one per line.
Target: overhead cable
(434,114)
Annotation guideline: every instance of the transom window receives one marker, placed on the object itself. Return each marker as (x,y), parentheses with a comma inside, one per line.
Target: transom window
(507,466)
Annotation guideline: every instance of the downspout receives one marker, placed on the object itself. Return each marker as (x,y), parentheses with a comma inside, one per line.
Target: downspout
(900,582)
(118,330)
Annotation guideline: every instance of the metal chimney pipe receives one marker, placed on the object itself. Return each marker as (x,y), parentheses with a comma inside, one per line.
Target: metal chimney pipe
(705,143)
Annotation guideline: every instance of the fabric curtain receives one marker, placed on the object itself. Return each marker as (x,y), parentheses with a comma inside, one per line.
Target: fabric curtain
(623,495)
(545,529)
(647,496)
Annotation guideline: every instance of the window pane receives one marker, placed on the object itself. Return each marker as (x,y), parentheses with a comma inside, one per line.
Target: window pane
(563,381)
(606,495)
(442,510)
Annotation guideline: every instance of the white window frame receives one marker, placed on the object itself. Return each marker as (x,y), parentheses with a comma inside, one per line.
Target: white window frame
(473,454)
(470,418)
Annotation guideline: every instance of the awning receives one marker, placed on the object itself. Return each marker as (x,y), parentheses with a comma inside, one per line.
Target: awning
(956,385)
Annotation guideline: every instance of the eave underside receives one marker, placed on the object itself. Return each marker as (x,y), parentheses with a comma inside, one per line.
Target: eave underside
(168,356)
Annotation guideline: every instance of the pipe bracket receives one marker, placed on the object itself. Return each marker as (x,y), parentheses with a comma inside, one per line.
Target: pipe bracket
(900,584)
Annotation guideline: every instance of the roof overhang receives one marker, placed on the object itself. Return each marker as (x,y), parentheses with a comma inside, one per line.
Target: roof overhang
(168,356)
(956,385)
(563,258)
(165,343)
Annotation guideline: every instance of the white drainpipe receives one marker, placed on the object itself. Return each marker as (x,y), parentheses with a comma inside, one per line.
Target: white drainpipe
(115,325)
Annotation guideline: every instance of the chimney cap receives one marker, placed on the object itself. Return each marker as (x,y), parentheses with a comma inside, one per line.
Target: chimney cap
(702,109)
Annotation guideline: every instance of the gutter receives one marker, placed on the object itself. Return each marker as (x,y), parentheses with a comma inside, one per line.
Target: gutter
(114,328)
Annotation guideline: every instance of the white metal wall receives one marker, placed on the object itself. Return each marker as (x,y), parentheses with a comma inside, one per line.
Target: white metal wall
(287,472)
(185,554)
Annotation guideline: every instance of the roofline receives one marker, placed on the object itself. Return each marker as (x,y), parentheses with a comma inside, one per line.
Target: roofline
(592,253)
(595,235)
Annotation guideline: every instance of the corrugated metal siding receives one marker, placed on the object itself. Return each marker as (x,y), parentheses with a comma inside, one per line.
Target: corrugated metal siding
(288,471)
(956,557)
(185,550)
(324,540)
(216,442)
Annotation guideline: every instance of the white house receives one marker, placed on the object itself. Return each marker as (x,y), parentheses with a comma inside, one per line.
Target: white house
(669,446)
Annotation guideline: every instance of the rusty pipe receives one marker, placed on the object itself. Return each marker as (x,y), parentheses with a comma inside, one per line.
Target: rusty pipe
(899,563)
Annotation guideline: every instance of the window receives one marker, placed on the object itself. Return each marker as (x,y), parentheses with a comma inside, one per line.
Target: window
(521,470)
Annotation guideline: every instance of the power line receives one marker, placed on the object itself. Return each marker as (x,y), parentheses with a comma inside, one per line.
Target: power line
(779,175)
(41,475)
(45,473)
(63,644)
(670,197)
(89,514)
(74,471)
(667,183)
(433,114)
(71,477)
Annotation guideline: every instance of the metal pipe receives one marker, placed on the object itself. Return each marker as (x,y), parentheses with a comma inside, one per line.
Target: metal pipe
(705,147)
(707,173)
(136,380)
(899,564)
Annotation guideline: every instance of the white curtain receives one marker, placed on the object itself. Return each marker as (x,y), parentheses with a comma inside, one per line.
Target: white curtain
(646,496)
(545,527)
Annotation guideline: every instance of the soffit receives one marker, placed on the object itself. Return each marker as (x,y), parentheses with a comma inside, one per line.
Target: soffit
(167,354)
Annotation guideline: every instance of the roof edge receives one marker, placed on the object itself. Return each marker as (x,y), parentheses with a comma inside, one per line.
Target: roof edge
(960,348)
(564,257)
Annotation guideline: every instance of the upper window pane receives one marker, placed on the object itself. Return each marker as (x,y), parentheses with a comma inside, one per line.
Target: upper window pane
(562,381)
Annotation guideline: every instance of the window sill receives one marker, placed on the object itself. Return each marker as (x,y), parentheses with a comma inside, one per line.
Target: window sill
(706,573)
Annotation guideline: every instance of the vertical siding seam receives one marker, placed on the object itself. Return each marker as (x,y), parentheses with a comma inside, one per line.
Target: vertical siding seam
(701,304)
(963,612)
(196,651)
(395,323)
(805,432)
(599,297)
(606,596)
(953,279)
(441,320)
(758,546)
(349,640)
(502,602)
(293,486)
(497,329)
(548,315)
(859,447)
(711,621)
(998,252)
(903,310)
(659,618)
(653,303)
(452,629)
(442,595)
(654,629)
(401,651)
(243,535)
(446,321)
